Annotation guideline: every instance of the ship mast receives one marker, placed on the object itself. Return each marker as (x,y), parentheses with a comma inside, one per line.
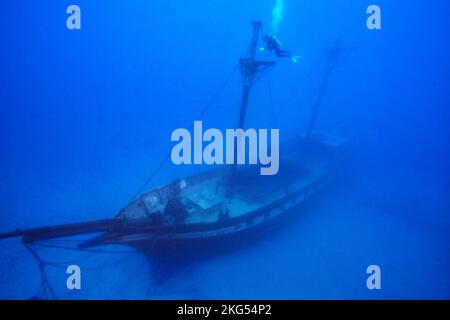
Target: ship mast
(250,67)
(334,54)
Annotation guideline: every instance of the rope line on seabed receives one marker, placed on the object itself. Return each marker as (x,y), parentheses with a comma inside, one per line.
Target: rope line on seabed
(200,116)
(45,290)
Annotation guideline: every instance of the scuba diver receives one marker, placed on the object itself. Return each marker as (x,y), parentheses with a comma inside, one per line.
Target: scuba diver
(273,44)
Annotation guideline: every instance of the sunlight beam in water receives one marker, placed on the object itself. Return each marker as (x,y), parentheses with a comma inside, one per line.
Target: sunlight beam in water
(277,16)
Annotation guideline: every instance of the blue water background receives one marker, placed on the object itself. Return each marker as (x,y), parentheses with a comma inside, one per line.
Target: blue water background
(85,116)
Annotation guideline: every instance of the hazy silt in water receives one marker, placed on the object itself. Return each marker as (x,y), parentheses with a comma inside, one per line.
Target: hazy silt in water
(87,117)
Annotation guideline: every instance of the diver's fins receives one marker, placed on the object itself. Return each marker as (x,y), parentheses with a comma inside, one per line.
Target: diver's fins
(295,59)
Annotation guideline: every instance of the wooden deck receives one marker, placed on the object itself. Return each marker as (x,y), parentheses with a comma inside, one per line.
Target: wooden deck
(206,197)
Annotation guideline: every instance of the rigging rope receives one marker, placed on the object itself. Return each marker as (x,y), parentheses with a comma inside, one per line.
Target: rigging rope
(271,104)
(200,116)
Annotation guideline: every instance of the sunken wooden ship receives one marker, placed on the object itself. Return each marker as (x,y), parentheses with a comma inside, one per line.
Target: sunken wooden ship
(220,204)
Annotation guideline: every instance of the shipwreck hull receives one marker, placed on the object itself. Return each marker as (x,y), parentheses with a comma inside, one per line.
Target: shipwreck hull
(186,240)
